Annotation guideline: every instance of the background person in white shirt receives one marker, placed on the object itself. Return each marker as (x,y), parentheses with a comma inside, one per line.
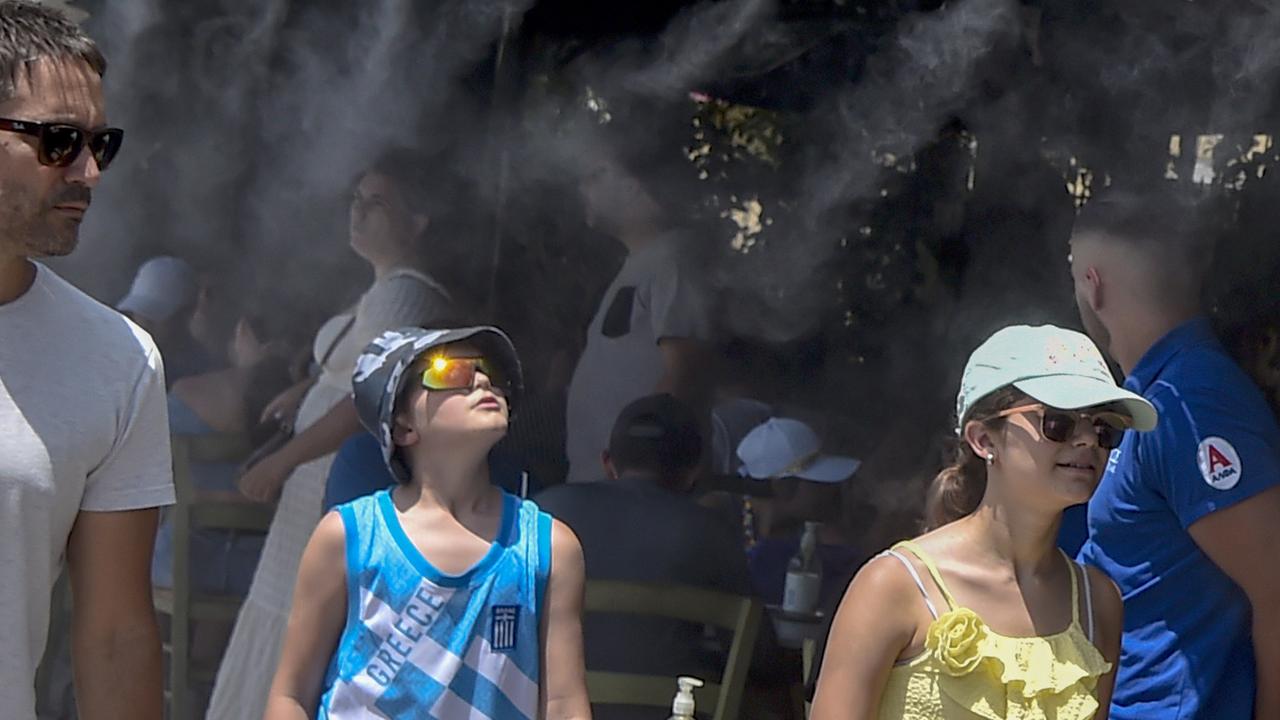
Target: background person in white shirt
(651,331)
(84,440)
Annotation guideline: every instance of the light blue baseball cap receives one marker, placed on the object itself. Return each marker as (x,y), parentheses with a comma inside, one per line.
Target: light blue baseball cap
(1058,367)
(786,448)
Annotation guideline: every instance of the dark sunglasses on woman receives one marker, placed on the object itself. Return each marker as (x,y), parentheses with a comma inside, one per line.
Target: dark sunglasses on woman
(59,144)
(1060,425)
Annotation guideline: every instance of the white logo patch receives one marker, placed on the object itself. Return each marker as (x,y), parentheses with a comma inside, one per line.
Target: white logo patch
(1219,463)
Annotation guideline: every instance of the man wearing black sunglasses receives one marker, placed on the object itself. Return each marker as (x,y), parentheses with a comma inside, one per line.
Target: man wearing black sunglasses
(84,452)
(1186,518)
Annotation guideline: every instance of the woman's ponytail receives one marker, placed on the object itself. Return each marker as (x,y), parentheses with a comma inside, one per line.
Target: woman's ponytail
(957,490)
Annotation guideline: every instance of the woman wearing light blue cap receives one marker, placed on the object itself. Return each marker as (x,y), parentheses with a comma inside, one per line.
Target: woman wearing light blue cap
(983,616)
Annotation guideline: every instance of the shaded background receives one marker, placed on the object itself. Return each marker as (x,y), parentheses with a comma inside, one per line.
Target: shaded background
(876,185)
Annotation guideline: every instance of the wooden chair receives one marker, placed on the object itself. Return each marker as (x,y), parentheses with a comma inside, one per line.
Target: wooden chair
(180,602)
(741,615)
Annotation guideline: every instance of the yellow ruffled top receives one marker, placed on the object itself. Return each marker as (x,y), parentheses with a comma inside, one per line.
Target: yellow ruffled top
(969,671)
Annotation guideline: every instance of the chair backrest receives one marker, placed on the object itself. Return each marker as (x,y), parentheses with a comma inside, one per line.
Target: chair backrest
(187,514)
(227,515)
(741,615)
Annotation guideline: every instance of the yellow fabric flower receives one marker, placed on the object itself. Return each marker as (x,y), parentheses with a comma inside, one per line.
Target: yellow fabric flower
(955,639)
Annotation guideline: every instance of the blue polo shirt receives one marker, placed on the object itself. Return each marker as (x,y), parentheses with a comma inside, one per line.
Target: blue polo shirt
(1187,652)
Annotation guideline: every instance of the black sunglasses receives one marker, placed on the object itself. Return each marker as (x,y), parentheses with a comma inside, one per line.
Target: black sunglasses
(60,143)
(1059,425)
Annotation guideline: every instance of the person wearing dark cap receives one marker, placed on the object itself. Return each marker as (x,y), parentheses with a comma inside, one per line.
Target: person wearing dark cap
(642,525)
(655,439)
(443,596)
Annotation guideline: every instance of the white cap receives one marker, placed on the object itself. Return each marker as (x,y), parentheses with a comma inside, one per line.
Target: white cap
(163,286)
(783,447)
(1060,368)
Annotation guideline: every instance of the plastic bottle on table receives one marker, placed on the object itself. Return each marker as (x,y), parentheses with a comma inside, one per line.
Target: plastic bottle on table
(804,575)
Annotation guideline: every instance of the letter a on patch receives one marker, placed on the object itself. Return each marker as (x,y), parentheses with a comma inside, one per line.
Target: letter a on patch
(1219,463)
(502,632)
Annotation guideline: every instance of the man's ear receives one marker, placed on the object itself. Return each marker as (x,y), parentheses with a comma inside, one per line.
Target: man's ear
(1093,287)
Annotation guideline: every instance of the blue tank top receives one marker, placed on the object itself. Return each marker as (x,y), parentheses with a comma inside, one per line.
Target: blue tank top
(419,643)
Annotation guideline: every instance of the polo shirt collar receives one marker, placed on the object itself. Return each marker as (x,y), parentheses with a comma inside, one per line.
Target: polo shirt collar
(1193,332)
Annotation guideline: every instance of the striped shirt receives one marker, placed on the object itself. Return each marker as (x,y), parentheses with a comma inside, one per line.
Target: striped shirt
(422,644)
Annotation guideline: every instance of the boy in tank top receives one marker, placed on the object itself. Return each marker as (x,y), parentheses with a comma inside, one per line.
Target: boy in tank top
(443,596)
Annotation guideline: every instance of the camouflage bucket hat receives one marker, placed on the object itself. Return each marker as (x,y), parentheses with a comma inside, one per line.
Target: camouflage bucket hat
(380,375)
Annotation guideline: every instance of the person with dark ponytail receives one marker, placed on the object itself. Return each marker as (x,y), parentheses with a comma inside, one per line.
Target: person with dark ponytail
(983,616)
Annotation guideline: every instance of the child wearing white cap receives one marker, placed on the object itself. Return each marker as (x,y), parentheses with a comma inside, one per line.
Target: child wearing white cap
(984,616)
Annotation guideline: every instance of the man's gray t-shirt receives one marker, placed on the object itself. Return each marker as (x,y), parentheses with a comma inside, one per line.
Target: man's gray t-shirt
(654,297)
(83,427)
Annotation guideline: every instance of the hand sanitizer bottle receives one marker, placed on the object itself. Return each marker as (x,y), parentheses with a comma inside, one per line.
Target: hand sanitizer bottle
(682,706)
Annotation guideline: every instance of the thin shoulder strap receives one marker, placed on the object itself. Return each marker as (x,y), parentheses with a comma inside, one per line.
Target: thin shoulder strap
(1075,588)
(932,568)
(333,344)
(914,576)
(1088,601)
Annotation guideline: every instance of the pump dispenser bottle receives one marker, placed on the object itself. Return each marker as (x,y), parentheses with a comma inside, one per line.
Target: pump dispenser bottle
(682,706)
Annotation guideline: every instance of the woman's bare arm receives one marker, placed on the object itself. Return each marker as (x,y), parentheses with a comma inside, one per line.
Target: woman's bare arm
(875,622)
(263,481)
(1108,618)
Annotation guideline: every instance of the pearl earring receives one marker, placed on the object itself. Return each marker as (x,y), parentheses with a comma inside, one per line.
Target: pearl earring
(991,458)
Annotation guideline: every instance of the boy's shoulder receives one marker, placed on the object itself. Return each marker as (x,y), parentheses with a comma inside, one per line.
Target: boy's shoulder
(361,508)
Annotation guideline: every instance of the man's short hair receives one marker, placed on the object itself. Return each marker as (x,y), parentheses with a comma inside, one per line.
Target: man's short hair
(1172,232)
(30,32)
(1164,223)
(657,434)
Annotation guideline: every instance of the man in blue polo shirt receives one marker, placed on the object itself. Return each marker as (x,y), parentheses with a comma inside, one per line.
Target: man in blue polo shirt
(1186,519)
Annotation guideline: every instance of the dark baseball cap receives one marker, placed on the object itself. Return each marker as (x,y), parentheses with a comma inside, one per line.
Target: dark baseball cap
(381,370)
(657,433)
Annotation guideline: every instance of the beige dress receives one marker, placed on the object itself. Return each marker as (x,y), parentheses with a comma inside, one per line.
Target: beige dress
(401,298)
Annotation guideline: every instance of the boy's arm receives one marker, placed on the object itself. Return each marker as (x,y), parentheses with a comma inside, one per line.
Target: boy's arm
(315,624)
(564,678)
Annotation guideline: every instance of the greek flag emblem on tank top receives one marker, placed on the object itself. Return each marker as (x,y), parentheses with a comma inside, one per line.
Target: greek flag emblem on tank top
(422,644)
